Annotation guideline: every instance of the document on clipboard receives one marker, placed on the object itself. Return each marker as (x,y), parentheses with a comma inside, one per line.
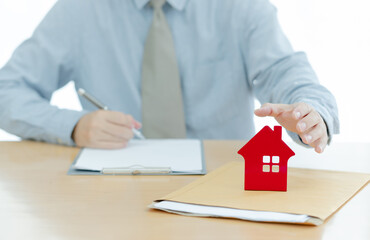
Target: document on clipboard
(143,157)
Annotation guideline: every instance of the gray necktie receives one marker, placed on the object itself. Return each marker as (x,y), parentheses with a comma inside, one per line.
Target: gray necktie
(162,104)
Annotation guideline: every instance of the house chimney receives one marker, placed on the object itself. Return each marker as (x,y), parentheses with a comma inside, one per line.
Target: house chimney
(277,131)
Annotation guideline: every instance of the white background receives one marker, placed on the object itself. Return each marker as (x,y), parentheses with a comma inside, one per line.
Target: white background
(335,34)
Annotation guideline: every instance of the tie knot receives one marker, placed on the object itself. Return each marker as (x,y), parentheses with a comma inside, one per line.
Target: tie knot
(157,3)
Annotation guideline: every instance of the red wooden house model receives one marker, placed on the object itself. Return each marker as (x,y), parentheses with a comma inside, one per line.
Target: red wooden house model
(266,161)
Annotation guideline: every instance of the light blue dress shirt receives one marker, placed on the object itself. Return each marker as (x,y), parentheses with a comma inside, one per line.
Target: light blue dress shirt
(228,51)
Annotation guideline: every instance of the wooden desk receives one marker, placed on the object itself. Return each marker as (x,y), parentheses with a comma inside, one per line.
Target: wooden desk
(38,200)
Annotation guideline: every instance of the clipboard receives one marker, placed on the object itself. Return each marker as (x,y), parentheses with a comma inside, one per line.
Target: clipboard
(142,169)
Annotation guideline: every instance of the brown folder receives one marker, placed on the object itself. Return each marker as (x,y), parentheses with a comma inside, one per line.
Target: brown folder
(315,193)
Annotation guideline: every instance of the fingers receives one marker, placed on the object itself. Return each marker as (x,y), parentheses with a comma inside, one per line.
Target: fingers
(118,118)
(118,132)
(312,130)
(137,124)
(300,118)
(301,110)
(312,134)
(308,121)
(273,110)
(104,129)
(320,144)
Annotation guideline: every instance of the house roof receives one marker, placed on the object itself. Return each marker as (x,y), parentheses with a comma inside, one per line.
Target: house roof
(270,139)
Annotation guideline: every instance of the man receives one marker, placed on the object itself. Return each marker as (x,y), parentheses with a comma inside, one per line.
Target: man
(185,68)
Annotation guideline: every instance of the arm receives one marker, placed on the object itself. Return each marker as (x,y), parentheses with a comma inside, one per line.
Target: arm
(42,64)
(279,75)
(38,67)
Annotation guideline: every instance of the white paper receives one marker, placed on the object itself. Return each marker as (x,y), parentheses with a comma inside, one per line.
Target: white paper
(212,211)
(181,155)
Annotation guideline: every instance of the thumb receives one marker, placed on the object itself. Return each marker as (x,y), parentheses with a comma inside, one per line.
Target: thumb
(272,110)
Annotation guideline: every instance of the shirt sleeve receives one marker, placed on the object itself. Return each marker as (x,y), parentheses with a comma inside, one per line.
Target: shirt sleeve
(38,67)
(276,73)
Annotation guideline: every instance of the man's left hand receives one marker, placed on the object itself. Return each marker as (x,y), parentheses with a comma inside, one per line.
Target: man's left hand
(300,118)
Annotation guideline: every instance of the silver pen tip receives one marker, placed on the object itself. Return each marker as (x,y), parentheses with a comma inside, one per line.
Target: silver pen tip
(81,91)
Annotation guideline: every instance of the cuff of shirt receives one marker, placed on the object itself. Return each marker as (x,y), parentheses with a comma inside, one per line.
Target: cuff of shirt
(67,125)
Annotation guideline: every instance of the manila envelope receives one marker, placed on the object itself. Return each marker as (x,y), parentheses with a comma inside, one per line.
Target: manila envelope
(316,193)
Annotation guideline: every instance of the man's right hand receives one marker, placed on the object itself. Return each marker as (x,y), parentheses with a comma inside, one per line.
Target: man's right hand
(104,129)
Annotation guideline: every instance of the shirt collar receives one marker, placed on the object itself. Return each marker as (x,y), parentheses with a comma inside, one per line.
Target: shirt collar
(177,4)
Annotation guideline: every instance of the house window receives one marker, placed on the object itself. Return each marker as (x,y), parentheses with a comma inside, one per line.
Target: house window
(270,163)
(275,168)
(266,159)
(266,168)
(275,159)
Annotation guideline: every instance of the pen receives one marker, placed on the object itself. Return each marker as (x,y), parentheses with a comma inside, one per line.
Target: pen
(99,105)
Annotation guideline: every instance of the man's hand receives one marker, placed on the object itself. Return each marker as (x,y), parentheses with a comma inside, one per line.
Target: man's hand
(104,129)
(300,118)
